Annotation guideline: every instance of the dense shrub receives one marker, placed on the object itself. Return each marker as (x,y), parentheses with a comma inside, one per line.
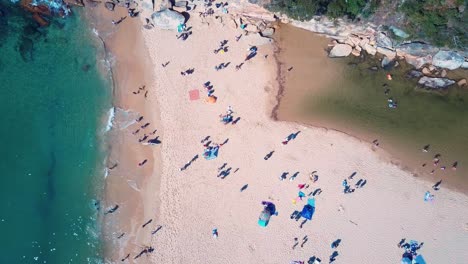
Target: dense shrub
(435,20)
(306,9)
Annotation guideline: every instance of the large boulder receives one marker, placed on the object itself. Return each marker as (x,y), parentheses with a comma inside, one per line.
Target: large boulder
(448,59)
(399,33)
(167,19)
(340,50)
(416,49)
(414,74)
(384,41)
(109,6)
(371,50)
(435,83)
(267,32)
(180,4)
(418,62)
(387,52)
(465,65)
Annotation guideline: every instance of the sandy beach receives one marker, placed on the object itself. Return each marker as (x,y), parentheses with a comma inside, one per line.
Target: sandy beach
(190,203)
(370,222)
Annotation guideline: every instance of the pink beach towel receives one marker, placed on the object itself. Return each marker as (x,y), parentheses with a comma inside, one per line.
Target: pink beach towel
(194,94)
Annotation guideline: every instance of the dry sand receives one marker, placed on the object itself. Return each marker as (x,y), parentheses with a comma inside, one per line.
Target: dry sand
(370,222)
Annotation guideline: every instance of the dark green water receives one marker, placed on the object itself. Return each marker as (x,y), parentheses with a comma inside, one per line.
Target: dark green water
(357,104)
(52,100)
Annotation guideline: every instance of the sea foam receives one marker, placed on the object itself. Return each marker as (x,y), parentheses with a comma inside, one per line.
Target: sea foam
(110,119)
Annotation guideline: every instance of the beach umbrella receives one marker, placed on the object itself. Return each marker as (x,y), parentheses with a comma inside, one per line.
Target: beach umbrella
(420,260)
(211,153)
(308,211)
(211,99)
(264,218)
(405,261)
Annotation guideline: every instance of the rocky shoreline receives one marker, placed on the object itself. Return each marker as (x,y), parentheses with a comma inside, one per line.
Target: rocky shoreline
(432,63)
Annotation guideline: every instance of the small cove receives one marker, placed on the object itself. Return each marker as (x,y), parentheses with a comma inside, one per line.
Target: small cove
(345,95)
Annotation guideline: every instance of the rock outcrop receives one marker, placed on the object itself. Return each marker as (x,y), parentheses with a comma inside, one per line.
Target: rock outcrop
(267,32)
(358,37)
(383,41)
(414,74)
(109,6)
(167,19)
(340,50)
(448,59)
(435,83)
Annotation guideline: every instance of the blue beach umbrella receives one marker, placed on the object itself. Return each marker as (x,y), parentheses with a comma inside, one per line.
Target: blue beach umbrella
(308,211)
(211,153)
(405,261)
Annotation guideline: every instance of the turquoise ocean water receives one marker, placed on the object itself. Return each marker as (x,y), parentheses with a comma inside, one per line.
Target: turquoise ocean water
(52,103)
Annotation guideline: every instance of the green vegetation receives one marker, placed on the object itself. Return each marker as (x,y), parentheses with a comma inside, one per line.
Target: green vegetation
(438,21)
(306,9)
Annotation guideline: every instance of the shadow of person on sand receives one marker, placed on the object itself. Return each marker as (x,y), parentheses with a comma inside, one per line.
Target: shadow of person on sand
(186,16)
(244,187)
(269,155)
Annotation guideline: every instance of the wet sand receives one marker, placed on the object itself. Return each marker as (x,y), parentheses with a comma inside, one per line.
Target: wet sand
(303,65)
(315,75)
(129,185)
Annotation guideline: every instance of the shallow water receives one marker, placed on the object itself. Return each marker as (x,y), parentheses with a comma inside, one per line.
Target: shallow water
(352,99)
(52,102)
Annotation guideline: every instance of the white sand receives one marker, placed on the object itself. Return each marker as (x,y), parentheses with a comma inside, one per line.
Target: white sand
(193,202)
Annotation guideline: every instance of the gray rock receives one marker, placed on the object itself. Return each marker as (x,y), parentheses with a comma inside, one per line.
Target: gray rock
(384,41)
(267,32)
(399,33)
(109,5)
(417,49)
(435,83)
(387,63)
(167,19)
(92,3)
(340,50)
(465,65)
(181,3)
(448,59)
(414,74)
